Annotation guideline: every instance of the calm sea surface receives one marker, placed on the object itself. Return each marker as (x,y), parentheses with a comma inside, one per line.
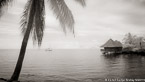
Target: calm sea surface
(72,66)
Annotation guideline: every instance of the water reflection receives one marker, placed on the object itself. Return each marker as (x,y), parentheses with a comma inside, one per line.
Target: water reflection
(125,66)
(72,66)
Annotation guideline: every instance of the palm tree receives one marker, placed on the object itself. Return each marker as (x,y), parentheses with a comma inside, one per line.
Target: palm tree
(129,40)
(33,21)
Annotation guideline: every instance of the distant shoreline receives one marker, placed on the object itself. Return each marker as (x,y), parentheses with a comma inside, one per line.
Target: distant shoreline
(134,52)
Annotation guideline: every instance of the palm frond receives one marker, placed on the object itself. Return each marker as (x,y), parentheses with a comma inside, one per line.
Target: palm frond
(3,3)
(63,13)
(39,22)
(25,16)
(34,15)
(82,2)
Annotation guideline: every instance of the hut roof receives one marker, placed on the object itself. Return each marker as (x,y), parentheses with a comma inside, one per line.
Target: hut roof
(111,43)
(118,44)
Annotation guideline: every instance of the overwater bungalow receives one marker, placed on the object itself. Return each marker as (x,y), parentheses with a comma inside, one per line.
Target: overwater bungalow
(112,47)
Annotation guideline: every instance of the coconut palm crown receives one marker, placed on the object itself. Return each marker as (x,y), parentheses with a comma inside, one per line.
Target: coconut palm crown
(33,22)
(37,8)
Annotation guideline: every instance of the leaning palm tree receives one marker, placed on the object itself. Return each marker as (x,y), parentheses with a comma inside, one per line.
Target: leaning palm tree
(33,23)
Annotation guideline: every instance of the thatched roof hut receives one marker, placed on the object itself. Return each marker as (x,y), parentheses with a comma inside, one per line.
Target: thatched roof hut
(111,43)
(112,46)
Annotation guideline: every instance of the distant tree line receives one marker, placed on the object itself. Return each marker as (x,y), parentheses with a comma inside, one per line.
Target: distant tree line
(133,42)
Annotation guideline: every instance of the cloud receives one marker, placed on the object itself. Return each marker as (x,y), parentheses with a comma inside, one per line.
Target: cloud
(99,21)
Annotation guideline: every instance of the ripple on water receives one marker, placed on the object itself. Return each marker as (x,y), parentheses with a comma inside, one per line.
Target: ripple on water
(71,66)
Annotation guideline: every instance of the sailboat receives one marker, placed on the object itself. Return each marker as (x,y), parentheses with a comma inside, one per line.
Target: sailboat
(48,49)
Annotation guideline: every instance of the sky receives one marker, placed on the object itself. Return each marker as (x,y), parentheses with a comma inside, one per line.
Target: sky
(99,21)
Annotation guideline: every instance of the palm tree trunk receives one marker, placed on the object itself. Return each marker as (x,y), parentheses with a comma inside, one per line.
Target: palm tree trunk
(18,67)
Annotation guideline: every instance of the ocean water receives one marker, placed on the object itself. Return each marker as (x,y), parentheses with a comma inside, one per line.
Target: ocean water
(73,66)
